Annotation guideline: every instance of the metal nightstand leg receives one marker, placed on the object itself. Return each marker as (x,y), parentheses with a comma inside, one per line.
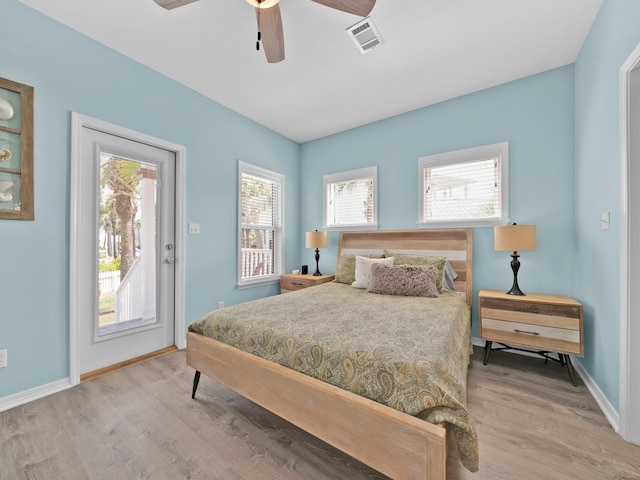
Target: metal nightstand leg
(487,351)
(566,361)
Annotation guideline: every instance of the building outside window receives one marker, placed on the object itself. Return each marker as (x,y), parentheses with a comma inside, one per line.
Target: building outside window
(465,188)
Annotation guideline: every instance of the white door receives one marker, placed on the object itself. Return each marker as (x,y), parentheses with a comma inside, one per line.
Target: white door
(125,249)
(630,260)
(632,429)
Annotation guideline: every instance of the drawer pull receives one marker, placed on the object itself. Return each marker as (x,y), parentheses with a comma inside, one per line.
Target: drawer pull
(524,331)
(298,284)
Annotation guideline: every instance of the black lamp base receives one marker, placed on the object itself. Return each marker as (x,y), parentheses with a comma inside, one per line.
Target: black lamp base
(515,290)
(317,272)
(515,266)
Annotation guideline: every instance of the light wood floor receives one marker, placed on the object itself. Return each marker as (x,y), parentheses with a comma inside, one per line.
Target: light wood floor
(140,422)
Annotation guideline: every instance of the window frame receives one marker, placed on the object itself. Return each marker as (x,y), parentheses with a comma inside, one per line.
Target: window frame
(463,156)
(278,247)
(346,176)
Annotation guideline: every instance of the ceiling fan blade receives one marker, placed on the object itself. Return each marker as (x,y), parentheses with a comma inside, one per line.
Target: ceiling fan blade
(171,4)
(270,25)
(357,7)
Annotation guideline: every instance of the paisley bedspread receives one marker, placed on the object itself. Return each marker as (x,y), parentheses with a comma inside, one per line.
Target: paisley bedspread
(409,353)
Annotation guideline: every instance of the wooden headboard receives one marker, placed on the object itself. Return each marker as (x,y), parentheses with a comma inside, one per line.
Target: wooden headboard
(454,244)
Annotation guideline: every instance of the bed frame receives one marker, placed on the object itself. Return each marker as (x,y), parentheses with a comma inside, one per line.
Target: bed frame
(396,444)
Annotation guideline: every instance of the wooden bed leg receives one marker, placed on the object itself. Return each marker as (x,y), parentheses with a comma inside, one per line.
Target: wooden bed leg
(196,380)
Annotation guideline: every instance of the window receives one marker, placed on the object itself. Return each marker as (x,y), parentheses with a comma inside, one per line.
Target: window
(465,188)
(350,200)
(260,225)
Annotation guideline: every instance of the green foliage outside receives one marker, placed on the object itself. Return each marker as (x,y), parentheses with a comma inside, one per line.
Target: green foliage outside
(119,195)
(109,266)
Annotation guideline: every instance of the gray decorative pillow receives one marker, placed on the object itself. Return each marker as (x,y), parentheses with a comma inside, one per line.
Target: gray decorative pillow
(406,280)
(345,271)
(415,259)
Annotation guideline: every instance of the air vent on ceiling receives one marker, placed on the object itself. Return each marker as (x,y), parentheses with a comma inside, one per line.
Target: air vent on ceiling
(365,35)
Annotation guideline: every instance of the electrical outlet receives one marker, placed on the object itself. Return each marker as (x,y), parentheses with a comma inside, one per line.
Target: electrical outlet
(3,358)
(194,229)
(220,304)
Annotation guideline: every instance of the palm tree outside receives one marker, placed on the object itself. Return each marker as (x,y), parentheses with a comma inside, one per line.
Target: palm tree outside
(119,199)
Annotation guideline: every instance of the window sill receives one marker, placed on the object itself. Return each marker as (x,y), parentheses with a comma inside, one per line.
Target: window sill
(349,228)
(486,222)
(258,282)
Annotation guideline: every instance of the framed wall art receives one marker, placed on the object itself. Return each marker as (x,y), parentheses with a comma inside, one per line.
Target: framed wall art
(16,150)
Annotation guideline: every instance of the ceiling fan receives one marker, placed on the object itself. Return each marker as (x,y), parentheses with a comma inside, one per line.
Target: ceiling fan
(270,22)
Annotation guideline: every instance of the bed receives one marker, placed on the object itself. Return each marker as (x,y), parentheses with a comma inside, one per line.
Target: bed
(339,388)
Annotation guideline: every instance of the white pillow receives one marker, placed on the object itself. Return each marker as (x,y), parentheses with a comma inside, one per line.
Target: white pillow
(363,269)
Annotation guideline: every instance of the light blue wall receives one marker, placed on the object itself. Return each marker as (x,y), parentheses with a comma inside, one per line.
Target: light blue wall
(73,73)
(535,115)
(614,35)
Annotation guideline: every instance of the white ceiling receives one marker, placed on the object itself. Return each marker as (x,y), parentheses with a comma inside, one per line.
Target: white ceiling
(434,50)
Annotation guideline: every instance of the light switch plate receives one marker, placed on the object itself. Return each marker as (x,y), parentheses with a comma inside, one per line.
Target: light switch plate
(604,220)
(3,358)
(194,229)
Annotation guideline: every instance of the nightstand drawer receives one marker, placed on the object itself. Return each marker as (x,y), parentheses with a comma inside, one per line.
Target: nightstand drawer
(295,283)
(291,282)
(547,319)
(532,335)
(523,307)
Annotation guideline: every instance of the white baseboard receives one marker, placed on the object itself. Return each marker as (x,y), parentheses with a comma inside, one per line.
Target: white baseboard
(612,415)
(32,394)
(607,409)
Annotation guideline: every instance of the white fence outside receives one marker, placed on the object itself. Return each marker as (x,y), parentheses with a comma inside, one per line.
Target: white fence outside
(108,281)
(256,262)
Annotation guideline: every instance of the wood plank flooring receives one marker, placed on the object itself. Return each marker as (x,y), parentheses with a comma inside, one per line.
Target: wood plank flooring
(140,422)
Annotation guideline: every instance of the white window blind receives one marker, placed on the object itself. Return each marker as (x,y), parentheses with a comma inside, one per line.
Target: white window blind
(350,199)
(465,187)
(260,225)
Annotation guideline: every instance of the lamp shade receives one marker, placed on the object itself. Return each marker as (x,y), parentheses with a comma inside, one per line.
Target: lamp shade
(316,239)
(514,238)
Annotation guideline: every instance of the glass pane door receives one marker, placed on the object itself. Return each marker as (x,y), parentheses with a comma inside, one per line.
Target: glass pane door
(126,244)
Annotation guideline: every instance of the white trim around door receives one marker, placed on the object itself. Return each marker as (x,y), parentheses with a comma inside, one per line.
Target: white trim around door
(629,427)
(78,122)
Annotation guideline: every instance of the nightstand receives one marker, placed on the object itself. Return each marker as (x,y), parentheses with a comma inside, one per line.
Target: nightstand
(290,282)
(533,322)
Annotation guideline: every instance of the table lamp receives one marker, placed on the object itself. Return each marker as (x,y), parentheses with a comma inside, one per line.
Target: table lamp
(317,240)
(514,238)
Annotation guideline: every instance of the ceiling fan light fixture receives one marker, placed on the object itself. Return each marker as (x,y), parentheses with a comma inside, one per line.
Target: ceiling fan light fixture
(263,3)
